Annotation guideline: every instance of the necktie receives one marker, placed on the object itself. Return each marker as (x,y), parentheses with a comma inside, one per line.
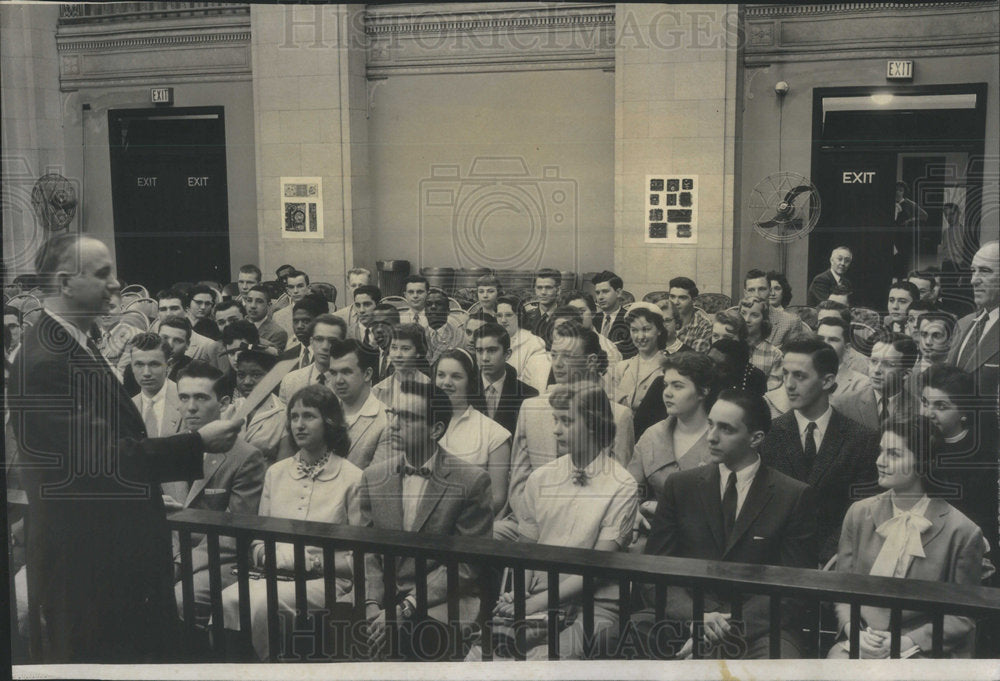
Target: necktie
(883,410)
(809,448)
(149,418)
(406,469)
(972,340)
(606,325)
(729,505)
(383,366)
(491,401)
(305,358)
(368,340)
(321,379)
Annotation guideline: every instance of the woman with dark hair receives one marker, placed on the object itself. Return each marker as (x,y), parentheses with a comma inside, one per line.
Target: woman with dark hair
(908,532)
(630,379)
(732,360)
(680,440)
(763,355)
(318,483)
(472,436)
(965,458)
(780,293)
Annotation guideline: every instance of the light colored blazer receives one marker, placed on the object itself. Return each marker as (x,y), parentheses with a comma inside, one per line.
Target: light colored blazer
(369,434)
(171,421)
(954,553)
(534,444)
(528,357)
(456,502)
(267,427)
(630,382)
(273,334)
(655,459)
(295,381)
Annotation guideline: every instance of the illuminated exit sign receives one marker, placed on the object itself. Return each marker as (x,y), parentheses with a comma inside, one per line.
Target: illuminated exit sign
(899,70)
(161,95)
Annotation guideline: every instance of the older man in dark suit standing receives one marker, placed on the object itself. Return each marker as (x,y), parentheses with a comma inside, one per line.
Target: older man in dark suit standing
(99,564)
(976,346)
(817,444)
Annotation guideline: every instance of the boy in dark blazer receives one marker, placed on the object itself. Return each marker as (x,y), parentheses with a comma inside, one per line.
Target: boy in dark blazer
(503,393)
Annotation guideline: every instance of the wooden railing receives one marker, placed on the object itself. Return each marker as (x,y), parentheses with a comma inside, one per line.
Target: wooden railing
(627,570)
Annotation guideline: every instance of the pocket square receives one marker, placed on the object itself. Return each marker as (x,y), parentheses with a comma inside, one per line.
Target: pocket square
(756,538)
(214,490)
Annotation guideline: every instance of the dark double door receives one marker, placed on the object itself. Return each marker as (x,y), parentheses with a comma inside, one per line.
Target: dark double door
(168,173)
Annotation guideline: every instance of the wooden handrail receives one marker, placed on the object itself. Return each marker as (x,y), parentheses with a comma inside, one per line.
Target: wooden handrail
(884,592)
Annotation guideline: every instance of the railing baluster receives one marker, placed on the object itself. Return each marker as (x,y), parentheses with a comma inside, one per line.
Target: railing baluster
(243,582)
(389,603)
(697,621)
(660,596)
(855,634)
(330,628)
(774,611)
(187,587)
(301,604)
(271,579)
(520,642)
(937,635)
(895,631)
(420,579)
(454,625)
(358,587)
(624,606)
(486,604)
(588,615)
(553,618)
(215,593)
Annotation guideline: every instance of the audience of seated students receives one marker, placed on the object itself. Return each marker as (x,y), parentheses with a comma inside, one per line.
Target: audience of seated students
(679,441)
(249,275)
(264,426)
(173,303)
(739,509)
(200,302)
(148,357)
(442,332)
(366,297)
(783,325)
(527,351)
(824,282)
(538,316)
(585,305)
(503,392)
(927,285)
(296,288)
(913,314)
(576,357)
(732,361)
(817,444)
(779,291)
(176,332)
(227,312)
(488,289)
(323,332)
(408,356)
(965,459)
(909,532)
(304,312)
(892,358)
(694,325)
(610,321)
(763,355)
(319,484)
(631,378)
(472,436)
(257,303)
(853,396)
(422,488)
(231,482)
(902,294)
(351,368)
(473,322)
(584,483)
(415,290)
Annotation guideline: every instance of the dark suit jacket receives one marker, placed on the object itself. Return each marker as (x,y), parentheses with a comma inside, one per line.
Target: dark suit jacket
(820,287)
(843,472)
(513,393)
(98,545)
(456,502)
(775,526)
(984,363)
(537,324)
(619,333)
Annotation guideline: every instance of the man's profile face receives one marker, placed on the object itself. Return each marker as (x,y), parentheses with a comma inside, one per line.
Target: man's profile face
(227,317)
(246,281)
(301,319)
(150,369)
(169,307)
(758,287)
(416,295)
(90,289)
(296,287)
(364,307)
(840,261)
(606,297)
(176,339)
(729,439)
(546,290)
(436,309)
(682,300)
(986,277)
(586,316)
(201,305)
(569,363)
(803,383)
(257,306)
(199,403)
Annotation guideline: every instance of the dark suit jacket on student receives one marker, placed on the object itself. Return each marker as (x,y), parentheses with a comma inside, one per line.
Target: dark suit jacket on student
(98,545)
(776,526)
(843,472)
(619,333)
(820,287)
(513,393)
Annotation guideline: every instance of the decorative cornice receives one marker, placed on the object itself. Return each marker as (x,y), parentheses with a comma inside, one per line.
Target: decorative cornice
(518,20)
(75,14)
(157,40)
(782,10)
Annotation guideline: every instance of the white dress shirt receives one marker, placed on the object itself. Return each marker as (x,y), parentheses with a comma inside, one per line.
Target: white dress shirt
(821,425)
(159,401)
(744,478)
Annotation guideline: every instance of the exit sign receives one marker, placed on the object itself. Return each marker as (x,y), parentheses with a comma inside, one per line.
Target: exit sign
(161,95)
(899,70)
